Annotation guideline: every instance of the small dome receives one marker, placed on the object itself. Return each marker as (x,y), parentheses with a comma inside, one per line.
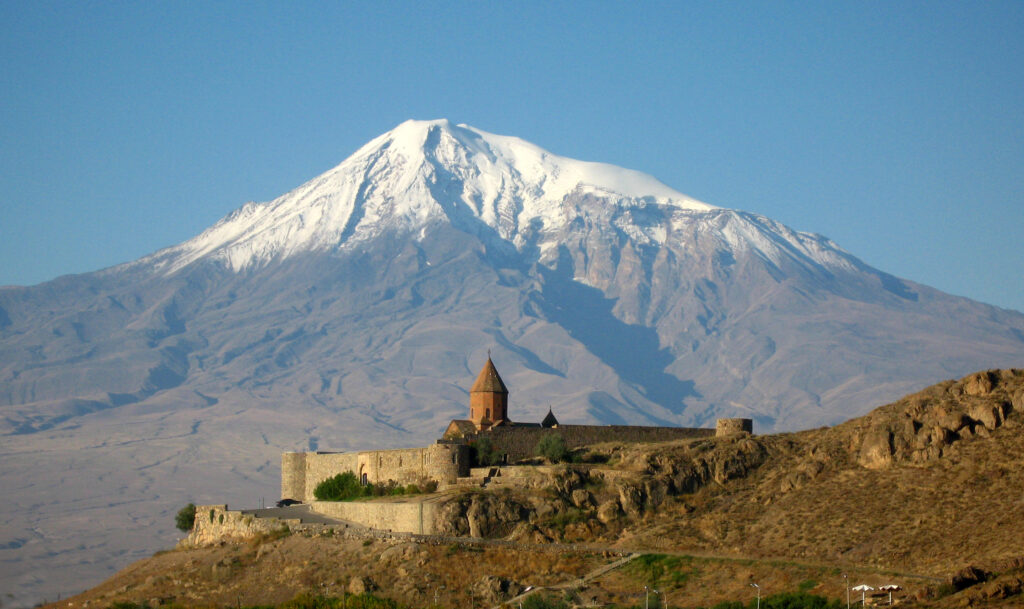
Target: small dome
(489,380)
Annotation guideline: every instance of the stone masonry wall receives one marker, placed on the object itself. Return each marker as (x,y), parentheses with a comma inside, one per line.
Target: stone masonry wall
(520,442)
(414,516)
(403,465)
(443,463)
(293,476)
(215,523)
(728,427)
(321,466)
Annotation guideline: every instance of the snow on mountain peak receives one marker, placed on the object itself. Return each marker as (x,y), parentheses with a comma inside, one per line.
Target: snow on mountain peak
(422,172)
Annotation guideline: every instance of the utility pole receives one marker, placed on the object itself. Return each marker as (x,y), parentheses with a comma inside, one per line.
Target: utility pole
(846,580)
(758,595)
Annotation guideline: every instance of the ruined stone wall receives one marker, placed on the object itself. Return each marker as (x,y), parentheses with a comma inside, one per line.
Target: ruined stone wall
(520,442)
(216,522)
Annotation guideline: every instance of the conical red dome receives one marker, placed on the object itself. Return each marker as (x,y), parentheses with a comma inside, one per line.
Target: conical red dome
(489,380)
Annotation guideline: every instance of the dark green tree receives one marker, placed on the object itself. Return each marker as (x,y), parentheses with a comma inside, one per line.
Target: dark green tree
(552,447)
(340,488)
(185,519)
(484,452)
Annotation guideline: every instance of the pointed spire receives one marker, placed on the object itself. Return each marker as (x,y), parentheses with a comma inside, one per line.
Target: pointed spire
(549,420)
(489,380)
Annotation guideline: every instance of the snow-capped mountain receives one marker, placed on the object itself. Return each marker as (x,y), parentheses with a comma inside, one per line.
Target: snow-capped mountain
(425,172)
(420,173)
(355,311)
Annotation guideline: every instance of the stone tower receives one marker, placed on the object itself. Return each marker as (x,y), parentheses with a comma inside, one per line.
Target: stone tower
(488,399)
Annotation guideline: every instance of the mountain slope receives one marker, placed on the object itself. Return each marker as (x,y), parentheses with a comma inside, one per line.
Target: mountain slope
(355,310)
(782,510)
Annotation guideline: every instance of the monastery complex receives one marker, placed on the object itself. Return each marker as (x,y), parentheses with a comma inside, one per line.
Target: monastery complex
(449,459)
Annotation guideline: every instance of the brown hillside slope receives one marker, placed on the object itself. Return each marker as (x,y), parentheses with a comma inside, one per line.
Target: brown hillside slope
(917,489)
(925,484)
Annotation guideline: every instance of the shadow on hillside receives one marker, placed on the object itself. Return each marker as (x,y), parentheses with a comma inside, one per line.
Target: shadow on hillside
(633,351)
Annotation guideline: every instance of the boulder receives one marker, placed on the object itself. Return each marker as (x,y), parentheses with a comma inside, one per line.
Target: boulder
(492,589)
(876,449)
(967,577)
(631,498)
(986,414)
(980,383)
(581,498)
(361,585)
(608,511)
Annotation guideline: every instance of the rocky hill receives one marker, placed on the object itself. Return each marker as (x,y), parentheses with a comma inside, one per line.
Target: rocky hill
(923,492)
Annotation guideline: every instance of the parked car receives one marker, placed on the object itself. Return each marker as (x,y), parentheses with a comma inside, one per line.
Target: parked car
(287,502)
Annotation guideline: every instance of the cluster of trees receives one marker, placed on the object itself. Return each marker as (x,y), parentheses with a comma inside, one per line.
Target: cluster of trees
(346,486)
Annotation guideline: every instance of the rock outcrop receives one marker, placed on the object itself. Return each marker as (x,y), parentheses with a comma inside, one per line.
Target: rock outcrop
(923,426)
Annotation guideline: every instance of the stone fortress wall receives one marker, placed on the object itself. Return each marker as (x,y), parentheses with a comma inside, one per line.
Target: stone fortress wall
(443,463)
(517,443)
(728,427)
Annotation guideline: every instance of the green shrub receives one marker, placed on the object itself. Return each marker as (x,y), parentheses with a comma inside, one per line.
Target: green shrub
(661,569)
(185,519)
(483,452)
(346,486)
(798,600)
(551,447)
(342,487)
(543,601)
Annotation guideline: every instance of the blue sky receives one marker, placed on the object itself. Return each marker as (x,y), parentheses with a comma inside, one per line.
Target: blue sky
(894,128)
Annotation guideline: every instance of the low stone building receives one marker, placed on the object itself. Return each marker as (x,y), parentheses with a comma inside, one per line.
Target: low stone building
(450,457)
